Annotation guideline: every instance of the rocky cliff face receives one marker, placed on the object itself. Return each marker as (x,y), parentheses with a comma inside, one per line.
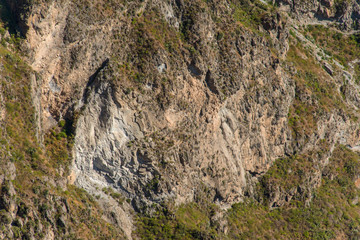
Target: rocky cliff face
(148,117)
(167,100)
(345,13)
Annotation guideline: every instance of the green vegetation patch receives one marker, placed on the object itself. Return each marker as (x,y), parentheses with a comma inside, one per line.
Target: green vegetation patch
(344,48)
(315,93)
(332,212)
(189,221)
(58,144)
(251,14)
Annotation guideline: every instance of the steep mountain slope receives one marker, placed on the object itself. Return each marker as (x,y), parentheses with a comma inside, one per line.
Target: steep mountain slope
(178,110)
(35,201)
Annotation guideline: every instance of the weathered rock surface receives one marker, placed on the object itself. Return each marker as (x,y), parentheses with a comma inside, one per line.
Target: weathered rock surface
(166,98)
(345,14)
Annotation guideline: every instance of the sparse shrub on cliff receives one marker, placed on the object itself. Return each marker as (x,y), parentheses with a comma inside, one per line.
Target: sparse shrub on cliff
(344,48)
(335,197)
(189,221)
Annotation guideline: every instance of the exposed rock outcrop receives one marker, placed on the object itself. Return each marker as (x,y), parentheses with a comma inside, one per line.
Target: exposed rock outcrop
(345,14)
(166,97)
(218,119)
